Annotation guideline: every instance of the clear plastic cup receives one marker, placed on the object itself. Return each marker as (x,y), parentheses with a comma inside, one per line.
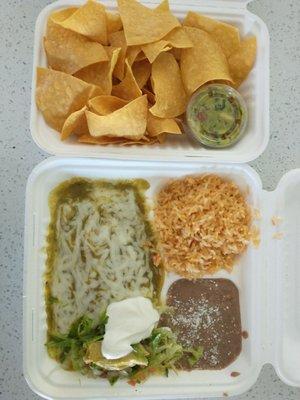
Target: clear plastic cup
(216,116)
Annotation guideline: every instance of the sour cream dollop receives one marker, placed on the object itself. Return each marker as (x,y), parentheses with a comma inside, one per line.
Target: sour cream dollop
(129,322)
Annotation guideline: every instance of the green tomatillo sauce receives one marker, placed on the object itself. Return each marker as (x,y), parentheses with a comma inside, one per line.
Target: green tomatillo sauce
(217,116)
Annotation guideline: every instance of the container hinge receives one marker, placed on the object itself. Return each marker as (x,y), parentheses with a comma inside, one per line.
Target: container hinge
(268,283)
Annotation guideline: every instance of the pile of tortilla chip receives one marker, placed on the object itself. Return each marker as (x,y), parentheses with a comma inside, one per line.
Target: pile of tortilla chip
(125,78)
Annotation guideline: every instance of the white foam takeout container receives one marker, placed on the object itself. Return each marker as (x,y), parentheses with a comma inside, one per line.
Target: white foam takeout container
(268,279)
(255,91)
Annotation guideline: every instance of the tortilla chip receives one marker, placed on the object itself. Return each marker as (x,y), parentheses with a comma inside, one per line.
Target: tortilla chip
(141,71)
(242,61)
(62,15)
(202,63)
(161,138)
(168,87)
(104,105)
(128,89)
(140,57)
(89,20)
(176,53)
(152,50)
(119,141)
(110,49)
(68,51)
(129,121)
(179,38)
(150,95)
(113,22)
(132,53)
(58,95)
(145,140)
(163,6)
(156,126)
(117,39)
(145,25)
(176,38)
(226,35)
(100,140)
(75,123)
(100,74)
(142,141)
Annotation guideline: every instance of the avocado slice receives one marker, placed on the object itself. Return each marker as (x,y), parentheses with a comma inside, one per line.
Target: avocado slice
(94,356)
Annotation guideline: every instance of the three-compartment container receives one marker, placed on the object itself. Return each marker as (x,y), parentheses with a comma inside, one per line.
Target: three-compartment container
(266,276)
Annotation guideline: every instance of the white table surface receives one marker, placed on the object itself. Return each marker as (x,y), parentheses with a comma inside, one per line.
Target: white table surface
(18,155)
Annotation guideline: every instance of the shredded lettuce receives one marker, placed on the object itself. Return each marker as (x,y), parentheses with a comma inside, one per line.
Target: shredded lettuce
(195,355)
(161,350)
(164,353)
(69,349)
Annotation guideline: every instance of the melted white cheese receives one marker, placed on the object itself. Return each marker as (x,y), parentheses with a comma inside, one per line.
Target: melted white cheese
(101,255)
(129,322)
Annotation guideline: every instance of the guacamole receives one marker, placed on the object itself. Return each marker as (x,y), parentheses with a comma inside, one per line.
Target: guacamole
(217,115)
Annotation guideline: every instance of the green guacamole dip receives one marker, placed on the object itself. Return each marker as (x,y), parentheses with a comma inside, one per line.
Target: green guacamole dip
(217,115)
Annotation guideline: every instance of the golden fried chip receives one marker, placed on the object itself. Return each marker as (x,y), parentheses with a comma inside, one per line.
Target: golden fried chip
(179,38)
(100,140)
(75,124)
(226,35)
(110,49)
(68,51)
(117,39)
(58,95)
(168,87)
(100,74)
(242,61)
(113,22)
(176,38)
(113,140)
(129,121)
(142,141)
(132,53)
(61,15)
(163,6)
(176,53)
(202,63)
(140,57)
(152,50)
(145,25)
(104,105)
(89,20)
(141,71)
(150,95)
(145,140)
(128,89)
(156,126)
(161,138)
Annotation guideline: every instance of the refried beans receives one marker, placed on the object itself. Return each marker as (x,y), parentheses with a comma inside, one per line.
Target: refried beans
(205,312)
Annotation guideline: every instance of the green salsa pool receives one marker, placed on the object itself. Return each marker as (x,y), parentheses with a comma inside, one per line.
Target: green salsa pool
(217,115)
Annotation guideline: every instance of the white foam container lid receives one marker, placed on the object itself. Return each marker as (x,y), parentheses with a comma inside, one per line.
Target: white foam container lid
(255,91)
(268,278)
